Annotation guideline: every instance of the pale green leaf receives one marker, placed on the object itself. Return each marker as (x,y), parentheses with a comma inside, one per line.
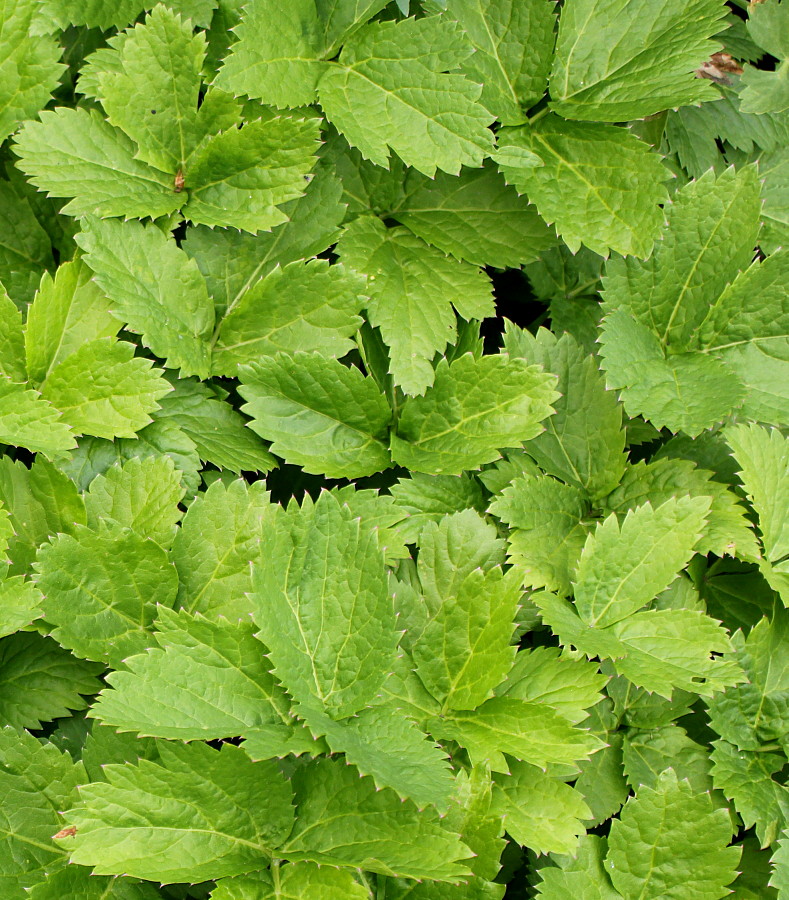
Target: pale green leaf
(465,649)
(471,815)
(322,604)
(530,731)
(659,650)
(628,60)
(101,590)
(548,531)
(475,216)
(73,153)
(297,881)
(154,694)
(474,408)
(150,89)
(30,67)
(670,842)
(766,91)
(200,814)
(540,812)
(583,442)
(305,304)
(647,754)
(220,533)
(343,820)
(763,461)
(103,389)
(598,184)
(143,495)
(319,414)
(383,743)
(541,674)
(68,311)
(514,45)
(27,419)
(20,604)
(154,289)
(727,530)
(40,681)
(426,498)
(412,288)
(623,567)
(396,73)
(780,876)
(12,339)
(242,176)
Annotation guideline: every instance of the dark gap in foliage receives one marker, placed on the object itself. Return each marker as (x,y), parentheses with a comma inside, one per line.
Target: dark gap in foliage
(515,301)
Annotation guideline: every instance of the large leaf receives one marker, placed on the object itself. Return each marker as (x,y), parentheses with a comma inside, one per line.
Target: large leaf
(197,815)
(322,604)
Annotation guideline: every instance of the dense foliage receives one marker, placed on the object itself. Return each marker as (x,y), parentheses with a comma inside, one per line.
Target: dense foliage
(323,582)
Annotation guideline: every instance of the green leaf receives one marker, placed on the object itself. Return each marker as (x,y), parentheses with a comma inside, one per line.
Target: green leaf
(705,245)
(396,72)
(684,391)
(76,881)
(26,250)
(73,153)
(598,184)
(383,743)
(322,604)
(474,216)
(584,441)
(727,530)
(318,414)
(540,812)
(766,91)
(764,470)
(40,682)
(465,649)
(343,820)
(154,289)
(647,754)
(297,881)
(623,567)
(27,419)
(219,432)
(514,45)
(101,589)
(143,495)
(20,604)
(68,311)
(530,731)
(659,650)
(756,711)
(671,842)
(42,502)
(104,390)
(305,304)
(548,532)
(616,62)
(780,875)
(569,686)
(746,779)
(232,261)
(12,339)
(30,68)
(36,780)
(149,86)
(426,498)
(581,876)
(412,289)
(155,693)
(220,533)
(475,407)
(240,177)
(202,814)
